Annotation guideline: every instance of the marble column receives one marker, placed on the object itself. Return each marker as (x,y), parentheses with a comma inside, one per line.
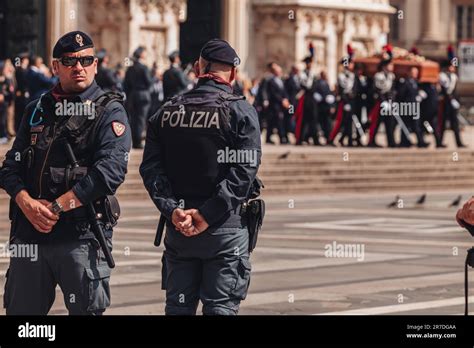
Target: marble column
(431,18)
(235,27)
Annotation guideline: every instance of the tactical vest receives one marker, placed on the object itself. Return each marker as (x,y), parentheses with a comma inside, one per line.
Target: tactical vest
(45,162)
(193,128)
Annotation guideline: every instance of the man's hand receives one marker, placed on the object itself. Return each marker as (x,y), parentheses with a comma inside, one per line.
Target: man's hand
(199,224)
(466,214)
(180,219)
(36,212)
(285,103)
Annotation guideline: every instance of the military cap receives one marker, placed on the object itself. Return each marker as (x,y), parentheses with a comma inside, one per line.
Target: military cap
(217,50)
(72,42)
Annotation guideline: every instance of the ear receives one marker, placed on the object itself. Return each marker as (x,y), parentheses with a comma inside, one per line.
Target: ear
(232,74)
(55,67)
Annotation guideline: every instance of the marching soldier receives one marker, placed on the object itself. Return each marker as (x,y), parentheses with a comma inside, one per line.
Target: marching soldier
(307,115)
(409,93)
(324,101)
(383,92)
(361,101)
(429,109)
(345,109)
(449,106)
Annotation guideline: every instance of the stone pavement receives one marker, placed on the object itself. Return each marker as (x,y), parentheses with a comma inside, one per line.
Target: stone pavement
(396,261)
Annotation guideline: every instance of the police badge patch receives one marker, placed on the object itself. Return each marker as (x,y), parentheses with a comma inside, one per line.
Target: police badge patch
(79,40)
(118,128)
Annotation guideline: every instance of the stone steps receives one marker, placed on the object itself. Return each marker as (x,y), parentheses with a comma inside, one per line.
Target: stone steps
(313,169)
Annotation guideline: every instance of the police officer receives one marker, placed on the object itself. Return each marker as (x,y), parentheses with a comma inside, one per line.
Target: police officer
(138,82)
(200,190)
(48,196)
(174,80)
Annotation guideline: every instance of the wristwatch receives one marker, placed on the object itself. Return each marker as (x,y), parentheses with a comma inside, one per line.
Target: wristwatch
(57,207)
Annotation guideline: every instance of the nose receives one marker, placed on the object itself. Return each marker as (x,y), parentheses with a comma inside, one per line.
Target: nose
(78,66)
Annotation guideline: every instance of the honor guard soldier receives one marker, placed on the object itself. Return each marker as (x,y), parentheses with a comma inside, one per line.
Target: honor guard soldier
(200,190)
(409,92)
(383,88)
(307,116)
(69,155)
(449,106)
(429,109)
(345,109)
(362,102)
(325,100)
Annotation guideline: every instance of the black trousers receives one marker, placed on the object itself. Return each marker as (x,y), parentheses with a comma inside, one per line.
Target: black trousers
(138,108)
(450,114)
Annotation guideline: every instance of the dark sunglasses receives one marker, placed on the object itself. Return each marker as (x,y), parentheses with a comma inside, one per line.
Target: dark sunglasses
(72,61)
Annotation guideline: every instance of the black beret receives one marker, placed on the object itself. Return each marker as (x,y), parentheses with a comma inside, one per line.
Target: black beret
(72,42)
(217,50)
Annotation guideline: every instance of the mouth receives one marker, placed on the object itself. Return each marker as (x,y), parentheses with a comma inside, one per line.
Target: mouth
(78,78)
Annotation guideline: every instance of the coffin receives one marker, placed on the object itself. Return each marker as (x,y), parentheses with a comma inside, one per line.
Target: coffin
(429,70)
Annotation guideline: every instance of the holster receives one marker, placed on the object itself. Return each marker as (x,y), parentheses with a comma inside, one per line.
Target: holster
(470,257)
(254,210)
(109,207)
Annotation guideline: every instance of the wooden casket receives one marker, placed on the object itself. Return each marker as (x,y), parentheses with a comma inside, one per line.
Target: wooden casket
(429,70)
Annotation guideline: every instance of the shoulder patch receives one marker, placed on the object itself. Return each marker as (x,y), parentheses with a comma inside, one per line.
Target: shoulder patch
(118,128)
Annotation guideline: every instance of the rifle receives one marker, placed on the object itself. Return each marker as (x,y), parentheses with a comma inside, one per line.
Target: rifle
(95,218)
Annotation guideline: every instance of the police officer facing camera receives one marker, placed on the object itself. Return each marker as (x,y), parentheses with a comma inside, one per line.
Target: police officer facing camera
(193,177)
(49,193)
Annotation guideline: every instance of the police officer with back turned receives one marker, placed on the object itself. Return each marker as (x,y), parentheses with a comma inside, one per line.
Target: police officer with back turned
(192,177)
(51,188)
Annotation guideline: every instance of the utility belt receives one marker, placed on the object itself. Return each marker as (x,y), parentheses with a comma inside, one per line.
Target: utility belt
(62,180)
(106,207)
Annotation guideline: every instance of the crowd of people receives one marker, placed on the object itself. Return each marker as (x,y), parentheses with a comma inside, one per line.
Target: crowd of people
(299,108)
